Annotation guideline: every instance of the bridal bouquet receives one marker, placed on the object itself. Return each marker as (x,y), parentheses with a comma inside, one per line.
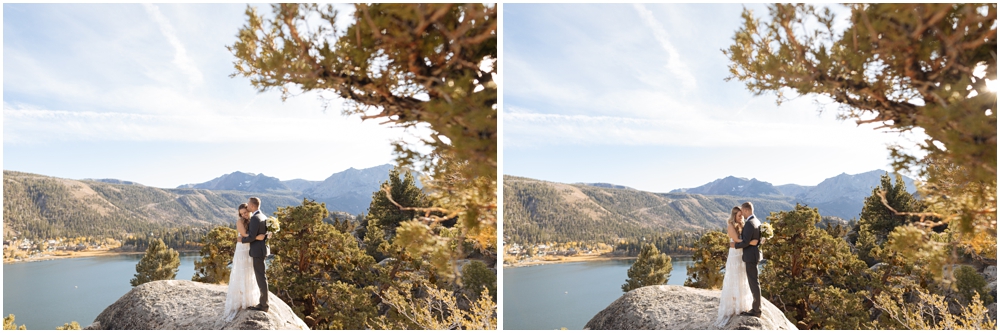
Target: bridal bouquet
(273,225)
(766,231)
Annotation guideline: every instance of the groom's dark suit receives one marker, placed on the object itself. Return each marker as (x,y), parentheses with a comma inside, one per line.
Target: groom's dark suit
(751,256)
(258,250)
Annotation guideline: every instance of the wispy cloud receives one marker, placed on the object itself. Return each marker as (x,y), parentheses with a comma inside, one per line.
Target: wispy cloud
(525,128)
(31,125)
(181,58)
(674,63)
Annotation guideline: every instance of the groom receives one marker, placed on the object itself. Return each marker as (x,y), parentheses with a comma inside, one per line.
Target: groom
(257,249)
(751,255)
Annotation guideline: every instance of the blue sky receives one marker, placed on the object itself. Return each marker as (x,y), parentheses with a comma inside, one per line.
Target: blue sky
(142,92)
(635,95)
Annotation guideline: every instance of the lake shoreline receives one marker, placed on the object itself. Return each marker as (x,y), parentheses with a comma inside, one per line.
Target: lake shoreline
(563,260)
(79,254)
(580,258)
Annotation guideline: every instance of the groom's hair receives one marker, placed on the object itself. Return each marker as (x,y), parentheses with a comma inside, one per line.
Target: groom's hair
(747,205)
(254,201)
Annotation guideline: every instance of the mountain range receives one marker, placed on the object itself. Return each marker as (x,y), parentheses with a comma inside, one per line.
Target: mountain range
(540,211)
(348,191)
(44,206)
(842,195)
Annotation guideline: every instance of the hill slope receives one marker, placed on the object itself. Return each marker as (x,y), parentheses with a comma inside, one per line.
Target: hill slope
(540,211)
(46,207)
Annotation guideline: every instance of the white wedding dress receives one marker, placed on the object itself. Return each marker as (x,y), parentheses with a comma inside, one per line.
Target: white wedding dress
(243,291)
(736,296)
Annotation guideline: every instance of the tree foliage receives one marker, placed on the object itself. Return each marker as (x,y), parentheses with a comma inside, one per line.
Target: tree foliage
(650,268)
(709,260)
(8,323)
(404,191)
(217,250)
(811,276)
(69,326)
(969,283)
(159,263)
(931,312)
(476,277)
(408,65)
(414,63)
(908,67)
(320,272)
(438,309)
(905,66)
(877,220)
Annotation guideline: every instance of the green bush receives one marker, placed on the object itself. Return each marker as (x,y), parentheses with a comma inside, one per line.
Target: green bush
(968,282)
(710,256)
(159,263)
(650,269)
(475,276)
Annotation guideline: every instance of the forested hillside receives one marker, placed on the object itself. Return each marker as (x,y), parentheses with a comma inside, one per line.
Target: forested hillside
(42,207)
(538,211)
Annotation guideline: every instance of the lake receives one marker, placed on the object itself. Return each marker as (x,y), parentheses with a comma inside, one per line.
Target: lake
(553,296)
(47,294)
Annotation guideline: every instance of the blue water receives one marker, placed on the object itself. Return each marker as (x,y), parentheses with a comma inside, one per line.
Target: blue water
(555,296)
(47,294)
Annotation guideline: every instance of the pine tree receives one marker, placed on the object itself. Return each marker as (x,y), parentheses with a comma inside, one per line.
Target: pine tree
(906,67)
(217,249)
(375,244)
(877,221)
(650,269)
(159,263)
(386,215)
(320,272)
(819,282)
(709,260)
(893,64)
(969,283)
(475,277)
(437,67)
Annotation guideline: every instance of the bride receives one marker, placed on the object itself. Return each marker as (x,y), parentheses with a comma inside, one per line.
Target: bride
(736,296)
(243,291)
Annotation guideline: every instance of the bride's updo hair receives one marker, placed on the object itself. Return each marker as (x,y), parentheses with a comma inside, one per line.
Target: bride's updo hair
(737,223)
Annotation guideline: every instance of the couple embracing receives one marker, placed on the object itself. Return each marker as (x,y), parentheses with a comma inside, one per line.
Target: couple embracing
(247,283)
(740,287)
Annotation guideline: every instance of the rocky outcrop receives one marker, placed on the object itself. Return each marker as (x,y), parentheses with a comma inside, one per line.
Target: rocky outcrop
(990,273)
(679,308)
(188,305)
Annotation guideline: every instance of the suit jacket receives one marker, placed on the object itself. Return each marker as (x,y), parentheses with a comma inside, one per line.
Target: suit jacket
(751,231)
(258,248)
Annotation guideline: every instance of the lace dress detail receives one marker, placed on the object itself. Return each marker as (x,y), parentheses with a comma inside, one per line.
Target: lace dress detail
(736,296)
(243,291)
